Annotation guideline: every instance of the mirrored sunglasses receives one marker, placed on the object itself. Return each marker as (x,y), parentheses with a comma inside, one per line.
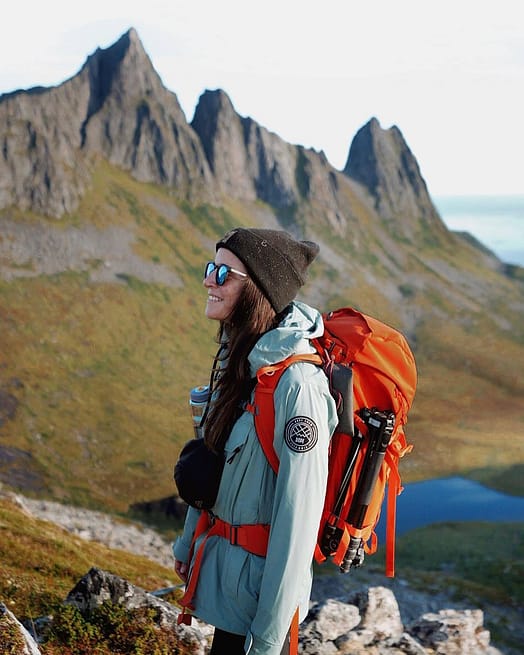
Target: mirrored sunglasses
(221,272)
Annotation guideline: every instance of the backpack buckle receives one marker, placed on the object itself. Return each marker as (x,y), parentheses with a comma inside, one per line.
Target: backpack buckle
(233,535)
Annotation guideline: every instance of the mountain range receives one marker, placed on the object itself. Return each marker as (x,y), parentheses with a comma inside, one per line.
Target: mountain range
(110,201)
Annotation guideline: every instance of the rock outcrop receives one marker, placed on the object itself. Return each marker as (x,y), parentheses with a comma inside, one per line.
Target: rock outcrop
(136,123)
(221,132)
(98,586)
(368,621)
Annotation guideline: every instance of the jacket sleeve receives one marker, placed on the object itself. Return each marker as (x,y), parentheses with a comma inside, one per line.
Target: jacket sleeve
(182,544)
(305,417)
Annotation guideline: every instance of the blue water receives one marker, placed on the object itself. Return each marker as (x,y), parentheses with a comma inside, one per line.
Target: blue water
(496,221)
(451,499)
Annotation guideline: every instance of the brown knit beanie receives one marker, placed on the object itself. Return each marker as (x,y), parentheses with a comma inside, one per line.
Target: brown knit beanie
(275,260)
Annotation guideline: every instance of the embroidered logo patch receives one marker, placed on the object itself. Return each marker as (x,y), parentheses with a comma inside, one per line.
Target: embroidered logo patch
(301,434)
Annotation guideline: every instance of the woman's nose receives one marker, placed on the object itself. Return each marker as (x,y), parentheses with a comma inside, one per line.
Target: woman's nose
(209,281)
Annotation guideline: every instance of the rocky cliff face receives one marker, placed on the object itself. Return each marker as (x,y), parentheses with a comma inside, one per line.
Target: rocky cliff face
(250,162)
(117,108)
(136,123)
(221,132)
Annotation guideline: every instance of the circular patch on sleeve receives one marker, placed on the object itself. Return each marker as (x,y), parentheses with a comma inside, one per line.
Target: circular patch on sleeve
(301,434)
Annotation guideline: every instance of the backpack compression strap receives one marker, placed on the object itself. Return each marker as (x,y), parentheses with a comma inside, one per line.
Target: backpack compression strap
(395,451)
(263,408)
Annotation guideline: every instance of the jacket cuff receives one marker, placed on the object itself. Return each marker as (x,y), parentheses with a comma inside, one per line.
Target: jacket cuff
(181,550)
(255,646)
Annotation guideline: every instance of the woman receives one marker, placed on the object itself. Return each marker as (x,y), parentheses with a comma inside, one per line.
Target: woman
(251,598)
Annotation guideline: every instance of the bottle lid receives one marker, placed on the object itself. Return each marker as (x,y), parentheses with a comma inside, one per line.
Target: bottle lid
(200,394)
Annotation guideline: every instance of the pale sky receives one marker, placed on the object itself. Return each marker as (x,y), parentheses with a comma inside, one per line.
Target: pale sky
(448,73)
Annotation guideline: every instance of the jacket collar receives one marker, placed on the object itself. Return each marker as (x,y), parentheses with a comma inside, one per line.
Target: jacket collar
(300,324)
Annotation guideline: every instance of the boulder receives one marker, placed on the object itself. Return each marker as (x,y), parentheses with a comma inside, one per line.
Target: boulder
(369,622)
(452,632)
(98,586)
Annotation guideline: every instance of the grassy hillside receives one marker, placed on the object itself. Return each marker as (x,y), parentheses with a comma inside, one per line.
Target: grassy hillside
(100,361)
(40,563)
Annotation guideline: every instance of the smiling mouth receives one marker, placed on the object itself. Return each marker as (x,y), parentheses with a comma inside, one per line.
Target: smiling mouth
(214,299)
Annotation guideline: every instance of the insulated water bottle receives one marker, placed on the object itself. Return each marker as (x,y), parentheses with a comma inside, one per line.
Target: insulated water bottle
(198,399)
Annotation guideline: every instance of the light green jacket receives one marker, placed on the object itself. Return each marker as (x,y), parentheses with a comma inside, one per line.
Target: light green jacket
(244,593)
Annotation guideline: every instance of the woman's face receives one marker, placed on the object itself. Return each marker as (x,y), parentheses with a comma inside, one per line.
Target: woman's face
(221,300)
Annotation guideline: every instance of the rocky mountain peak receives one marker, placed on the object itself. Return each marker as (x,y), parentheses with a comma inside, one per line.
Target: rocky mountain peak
(115,107)
(222,136)
(124,64)
(382,162)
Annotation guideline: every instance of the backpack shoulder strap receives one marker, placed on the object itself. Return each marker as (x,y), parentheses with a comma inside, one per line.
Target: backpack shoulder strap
(263,407)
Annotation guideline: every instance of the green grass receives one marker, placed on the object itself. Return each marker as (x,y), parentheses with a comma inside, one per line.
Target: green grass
(478,560)
(111,629)
(509,480)
(96,400)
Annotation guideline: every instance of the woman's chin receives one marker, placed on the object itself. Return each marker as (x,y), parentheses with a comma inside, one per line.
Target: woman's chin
(213,311)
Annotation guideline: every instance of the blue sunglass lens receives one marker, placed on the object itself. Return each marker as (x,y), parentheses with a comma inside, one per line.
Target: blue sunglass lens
(221,272)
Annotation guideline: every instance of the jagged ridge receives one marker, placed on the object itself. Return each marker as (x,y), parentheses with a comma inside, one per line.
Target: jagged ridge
(117,107)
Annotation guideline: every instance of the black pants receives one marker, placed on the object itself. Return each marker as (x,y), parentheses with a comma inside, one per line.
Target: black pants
(227,643)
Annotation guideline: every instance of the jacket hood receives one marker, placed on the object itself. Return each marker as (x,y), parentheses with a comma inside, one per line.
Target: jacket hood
(301,324)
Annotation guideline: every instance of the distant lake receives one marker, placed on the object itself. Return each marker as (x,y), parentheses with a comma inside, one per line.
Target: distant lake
(451,499)
(496,221)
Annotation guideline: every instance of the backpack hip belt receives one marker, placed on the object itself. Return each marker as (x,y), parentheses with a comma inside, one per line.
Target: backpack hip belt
(253,538)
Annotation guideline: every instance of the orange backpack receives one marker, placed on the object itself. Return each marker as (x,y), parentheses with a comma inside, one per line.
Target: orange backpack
(372,376)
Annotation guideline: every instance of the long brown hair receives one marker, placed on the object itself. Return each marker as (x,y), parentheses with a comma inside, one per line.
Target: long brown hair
(251,317)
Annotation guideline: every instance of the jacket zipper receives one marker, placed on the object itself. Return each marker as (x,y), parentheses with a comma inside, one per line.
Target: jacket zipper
(234,454)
